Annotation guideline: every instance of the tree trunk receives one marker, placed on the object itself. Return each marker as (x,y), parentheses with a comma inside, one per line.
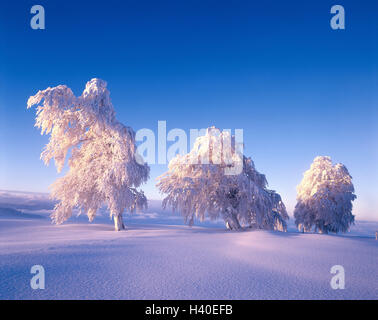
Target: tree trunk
(231,221)
(118,222)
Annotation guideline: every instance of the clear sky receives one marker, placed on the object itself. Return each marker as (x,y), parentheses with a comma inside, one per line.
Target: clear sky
(275,69)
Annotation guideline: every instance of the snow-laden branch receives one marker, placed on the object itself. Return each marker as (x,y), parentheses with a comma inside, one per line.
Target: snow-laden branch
(102,166)
(324,198)
(196,185)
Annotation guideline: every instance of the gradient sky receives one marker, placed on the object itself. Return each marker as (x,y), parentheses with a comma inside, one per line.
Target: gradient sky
(275,69)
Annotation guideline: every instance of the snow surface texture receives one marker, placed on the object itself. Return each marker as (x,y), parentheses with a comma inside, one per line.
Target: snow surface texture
(158,257)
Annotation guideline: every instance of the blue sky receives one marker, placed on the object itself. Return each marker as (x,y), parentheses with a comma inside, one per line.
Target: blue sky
(275,69)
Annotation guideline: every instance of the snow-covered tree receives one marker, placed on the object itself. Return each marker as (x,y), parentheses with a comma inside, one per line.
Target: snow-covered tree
(104,168)
(201,184)
(324,198)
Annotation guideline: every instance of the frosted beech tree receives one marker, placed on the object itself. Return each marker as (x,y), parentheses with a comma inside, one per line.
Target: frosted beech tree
(103,167)
(201,183)
(324,198)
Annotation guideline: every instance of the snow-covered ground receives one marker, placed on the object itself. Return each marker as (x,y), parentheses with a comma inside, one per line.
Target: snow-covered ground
(158,257)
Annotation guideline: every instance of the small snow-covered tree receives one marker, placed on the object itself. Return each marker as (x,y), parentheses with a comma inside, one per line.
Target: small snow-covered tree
(201,184)
(104,167)
(324,198)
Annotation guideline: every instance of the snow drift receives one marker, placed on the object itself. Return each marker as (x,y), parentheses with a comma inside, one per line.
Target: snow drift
(158,257)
